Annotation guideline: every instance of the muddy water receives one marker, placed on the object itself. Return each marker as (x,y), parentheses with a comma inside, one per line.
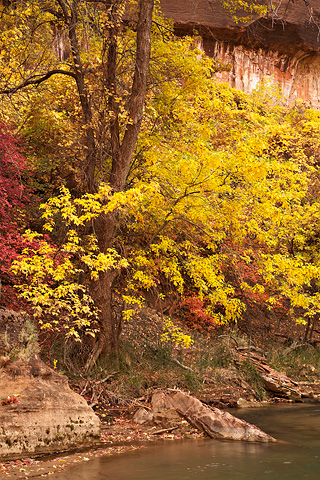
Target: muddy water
(296,457)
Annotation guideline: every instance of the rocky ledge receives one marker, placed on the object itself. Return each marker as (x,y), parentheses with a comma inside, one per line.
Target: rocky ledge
(39,413)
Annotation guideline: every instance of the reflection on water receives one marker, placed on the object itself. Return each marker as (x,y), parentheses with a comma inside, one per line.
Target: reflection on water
(296,457)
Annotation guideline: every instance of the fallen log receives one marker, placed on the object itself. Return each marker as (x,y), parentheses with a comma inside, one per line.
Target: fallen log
(214,422)
(274,381)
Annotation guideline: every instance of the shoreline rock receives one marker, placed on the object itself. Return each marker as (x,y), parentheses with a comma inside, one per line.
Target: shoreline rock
(39,413)
(213,422)
(44,415)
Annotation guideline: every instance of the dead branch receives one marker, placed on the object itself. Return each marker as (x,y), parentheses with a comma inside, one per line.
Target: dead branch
(251,348)
(98,382)
(297,345)
(232,338)
(135,403)
(175,360)
(164,430)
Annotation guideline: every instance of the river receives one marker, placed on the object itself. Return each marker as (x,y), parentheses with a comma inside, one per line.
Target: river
(295,457)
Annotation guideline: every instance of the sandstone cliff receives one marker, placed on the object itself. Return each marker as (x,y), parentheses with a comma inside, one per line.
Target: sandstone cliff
(284,47)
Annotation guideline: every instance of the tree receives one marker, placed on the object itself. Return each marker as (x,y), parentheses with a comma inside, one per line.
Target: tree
(120,116)
(211,179)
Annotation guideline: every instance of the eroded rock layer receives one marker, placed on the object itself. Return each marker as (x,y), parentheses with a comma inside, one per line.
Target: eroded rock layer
(214,422)
(285,48)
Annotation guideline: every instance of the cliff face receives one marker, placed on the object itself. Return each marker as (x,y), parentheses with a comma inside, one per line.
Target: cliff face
(285,48)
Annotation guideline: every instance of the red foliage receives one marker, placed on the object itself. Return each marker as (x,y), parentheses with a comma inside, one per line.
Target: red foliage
(8,400)
(244,267)
(194,314)
(14,198)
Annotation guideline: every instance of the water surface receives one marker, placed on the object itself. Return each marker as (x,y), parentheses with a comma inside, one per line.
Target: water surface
(296,457)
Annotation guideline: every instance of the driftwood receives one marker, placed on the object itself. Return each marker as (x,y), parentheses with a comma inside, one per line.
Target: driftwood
(214,422)
(276,382)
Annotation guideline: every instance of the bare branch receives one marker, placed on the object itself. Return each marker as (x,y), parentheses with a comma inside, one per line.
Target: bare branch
(36,81)
(175,360)
(64,9)
(275,16)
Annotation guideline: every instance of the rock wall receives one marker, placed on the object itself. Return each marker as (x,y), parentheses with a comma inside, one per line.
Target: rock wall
(298,75)
(286,48)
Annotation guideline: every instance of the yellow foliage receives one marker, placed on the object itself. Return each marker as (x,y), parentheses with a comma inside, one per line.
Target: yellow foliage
(175,335)
(217,175)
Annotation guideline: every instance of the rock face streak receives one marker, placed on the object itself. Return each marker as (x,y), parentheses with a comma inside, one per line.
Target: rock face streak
(285,49)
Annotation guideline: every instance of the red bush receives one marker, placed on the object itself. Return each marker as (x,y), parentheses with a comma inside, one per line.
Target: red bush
(15,196)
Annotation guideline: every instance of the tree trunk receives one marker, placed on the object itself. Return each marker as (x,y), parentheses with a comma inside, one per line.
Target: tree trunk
(122,154)
(107,341)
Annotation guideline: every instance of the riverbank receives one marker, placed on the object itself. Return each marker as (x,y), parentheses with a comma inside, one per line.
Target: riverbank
(117,438)
(119,435)
(223,371)
(295,456)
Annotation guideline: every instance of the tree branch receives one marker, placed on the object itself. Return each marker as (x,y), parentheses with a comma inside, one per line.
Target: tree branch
(36,81)
(64,9)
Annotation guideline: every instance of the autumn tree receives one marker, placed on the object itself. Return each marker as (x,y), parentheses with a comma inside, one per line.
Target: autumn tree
(222,181)
(207,182)
(109,132)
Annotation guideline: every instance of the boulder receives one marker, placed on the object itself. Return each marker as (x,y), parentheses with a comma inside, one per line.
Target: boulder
(214,422)
(39,413)
(274,381)
(163,414)
(142,416)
